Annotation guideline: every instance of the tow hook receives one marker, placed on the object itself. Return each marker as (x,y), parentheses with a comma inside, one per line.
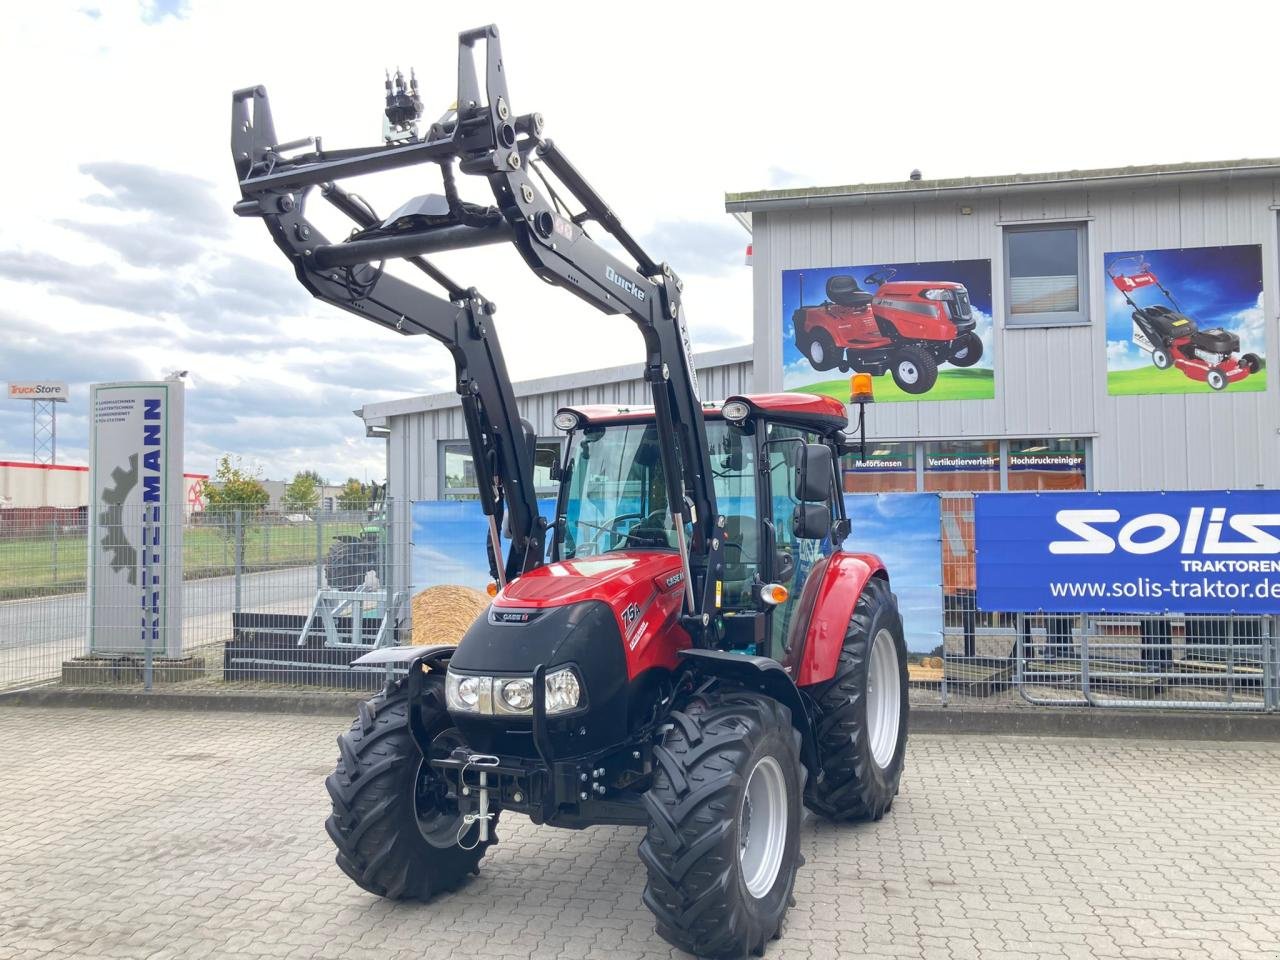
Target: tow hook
(482,813)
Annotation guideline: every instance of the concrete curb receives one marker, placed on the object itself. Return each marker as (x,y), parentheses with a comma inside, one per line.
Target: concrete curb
(1019,722)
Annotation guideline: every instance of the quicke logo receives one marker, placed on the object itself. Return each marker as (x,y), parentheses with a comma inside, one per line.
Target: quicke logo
(620,281)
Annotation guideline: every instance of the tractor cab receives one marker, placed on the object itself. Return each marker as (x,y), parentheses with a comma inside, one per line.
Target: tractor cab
(773,469)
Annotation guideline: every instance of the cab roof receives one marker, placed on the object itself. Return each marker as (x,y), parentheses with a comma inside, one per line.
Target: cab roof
(822,413)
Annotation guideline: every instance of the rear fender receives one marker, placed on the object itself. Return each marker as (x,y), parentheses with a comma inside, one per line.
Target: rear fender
(767,676)
(817,633)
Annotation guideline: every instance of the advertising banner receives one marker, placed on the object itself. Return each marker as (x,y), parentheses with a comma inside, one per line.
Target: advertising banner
(136,509)
(1185,321)
(903,530)
(1190,552)
(39,390)
(449,552)
(922,329)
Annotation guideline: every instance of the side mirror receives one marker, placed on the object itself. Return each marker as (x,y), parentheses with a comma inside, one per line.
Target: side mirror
(813,474)
(811,521)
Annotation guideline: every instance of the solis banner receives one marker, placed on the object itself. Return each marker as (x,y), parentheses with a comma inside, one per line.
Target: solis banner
(923,330)
(1185,321)
(1208,551)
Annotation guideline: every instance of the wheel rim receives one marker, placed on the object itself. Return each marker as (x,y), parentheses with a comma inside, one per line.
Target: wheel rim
(907,372)
(961,353)
(816,353)
(438,819)
(762,827)
(884,699)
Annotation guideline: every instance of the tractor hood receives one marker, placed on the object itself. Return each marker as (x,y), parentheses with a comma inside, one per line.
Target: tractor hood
(606,577)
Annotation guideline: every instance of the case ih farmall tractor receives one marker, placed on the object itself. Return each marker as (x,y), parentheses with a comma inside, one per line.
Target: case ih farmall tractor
(906,327)
(687,647)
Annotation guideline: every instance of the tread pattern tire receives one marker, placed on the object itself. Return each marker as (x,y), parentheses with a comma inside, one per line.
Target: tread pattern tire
(971,346)
(374,823)
(830,355)
(926,368)
(851,785)
(346,564)
(695,887)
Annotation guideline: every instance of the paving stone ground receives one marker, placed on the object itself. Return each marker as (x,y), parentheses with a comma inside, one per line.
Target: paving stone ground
(183,835)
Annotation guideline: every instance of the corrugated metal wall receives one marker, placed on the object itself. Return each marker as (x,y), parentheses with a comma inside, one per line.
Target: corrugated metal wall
(1052,382)
(415,437)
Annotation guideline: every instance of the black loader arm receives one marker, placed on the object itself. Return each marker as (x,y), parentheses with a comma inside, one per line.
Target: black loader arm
(483,137)
(462,320)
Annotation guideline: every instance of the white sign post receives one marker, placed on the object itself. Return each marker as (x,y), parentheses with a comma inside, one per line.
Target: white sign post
(136,513)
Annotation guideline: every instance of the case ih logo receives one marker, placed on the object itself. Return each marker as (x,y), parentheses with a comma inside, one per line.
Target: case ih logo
(632,288)
(1154,532)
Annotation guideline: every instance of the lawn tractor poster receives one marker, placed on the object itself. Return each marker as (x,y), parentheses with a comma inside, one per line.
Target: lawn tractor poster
(923,330)
(1185,321)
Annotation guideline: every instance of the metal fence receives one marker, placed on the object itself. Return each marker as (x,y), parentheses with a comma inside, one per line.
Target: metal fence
(259,597)
(1104,660)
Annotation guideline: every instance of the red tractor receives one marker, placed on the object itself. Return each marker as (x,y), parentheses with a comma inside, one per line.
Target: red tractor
(698,656)
(907,327)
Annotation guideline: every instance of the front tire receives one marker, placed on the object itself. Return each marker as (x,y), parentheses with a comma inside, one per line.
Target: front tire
(914,369)
(967,350)
(862,729)
(396,831)
(723,843)
(1161,359)
(1216,379)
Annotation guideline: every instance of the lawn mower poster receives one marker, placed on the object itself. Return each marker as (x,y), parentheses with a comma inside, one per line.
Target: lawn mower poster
(926,325)
(1199,551)
(1185,321)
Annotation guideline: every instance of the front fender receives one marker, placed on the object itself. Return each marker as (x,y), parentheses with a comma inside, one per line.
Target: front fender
(767,676)
(826,604)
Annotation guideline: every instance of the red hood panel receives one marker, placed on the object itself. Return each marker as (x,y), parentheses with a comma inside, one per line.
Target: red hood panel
(605,578)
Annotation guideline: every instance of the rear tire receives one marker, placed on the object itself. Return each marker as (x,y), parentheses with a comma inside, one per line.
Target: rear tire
(723,843)
(914,369)
(396,832)
(967,350)
(861,748)
(821,352)
(1251,362)
(349,562)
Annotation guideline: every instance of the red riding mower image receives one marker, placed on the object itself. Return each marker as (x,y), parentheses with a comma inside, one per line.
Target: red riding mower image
(1172,338)
(907,327)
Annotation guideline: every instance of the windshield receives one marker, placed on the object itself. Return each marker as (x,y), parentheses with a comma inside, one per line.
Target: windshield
(617,498)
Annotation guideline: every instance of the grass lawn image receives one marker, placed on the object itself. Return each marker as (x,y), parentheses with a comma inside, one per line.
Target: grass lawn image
(971,384)
(1149,380)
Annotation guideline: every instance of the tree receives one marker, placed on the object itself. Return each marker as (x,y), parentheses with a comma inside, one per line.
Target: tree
(354,495)
(234,487)
(302,495)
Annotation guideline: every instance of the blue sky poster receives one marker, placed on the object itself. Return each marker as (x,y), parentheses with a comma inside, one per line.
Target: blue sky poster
(898,304)
(903,530)
(1214,286)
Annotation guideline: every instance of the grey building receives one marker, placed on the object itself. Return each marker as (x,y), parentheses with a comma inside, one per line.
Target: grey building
(1050,365)
(428,456)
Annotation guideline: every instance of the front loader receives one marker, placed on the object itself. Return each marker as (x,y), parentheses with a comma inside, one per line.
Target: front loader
(687,646)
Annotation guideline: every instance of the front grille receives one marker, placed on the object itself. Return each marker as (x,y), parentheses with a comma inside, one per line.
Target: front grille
(960,307)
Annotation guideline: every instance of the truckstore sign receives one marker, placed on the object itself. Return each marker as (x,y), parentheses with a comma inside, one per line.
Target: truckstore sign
(39,390)
(136,511)
(923,330)
(1210,551)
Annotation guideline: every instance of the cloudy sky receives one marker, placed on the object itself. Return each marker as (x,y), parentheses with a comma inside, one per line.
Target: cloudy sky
(119,257)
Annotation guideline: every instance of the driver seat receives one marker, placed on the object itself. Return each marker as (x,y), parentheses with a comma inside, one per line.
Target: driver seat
(844,290)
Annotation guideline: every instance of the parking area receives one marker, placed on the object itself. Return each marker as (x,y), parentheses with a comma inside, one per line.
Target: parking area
(165,834)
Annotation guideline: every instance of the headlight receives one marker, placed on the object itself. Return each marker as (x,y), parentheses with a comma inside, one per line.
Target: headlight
(563,691)
(565,420)
(938,293)
(517,694)
(468,694)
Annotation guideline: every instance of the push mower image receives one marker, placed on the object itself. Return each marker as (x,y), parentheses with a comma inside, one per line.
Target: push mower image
(647,660)
(1172,338)
(907,327)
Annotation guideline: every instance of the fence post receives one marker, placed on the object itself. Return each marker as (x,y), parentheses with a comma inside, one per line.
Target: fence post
(266,542)
(319,550)
(239,521)
(55,553)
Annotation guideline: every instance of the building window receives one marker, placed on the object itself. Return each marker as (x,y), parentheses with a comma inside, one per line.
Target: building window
(1046,275)
(962,465)
(888,468)
(1051,464)
(458,471)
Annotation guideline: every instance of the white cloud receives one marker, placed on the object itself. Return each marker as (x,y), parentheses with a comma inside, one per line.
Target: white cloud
(986,333)
(1124,355)
(1251,325)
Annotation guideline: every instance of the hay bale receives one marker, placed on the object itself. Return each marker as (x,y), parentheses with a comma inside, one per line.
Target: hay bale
(442,614)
